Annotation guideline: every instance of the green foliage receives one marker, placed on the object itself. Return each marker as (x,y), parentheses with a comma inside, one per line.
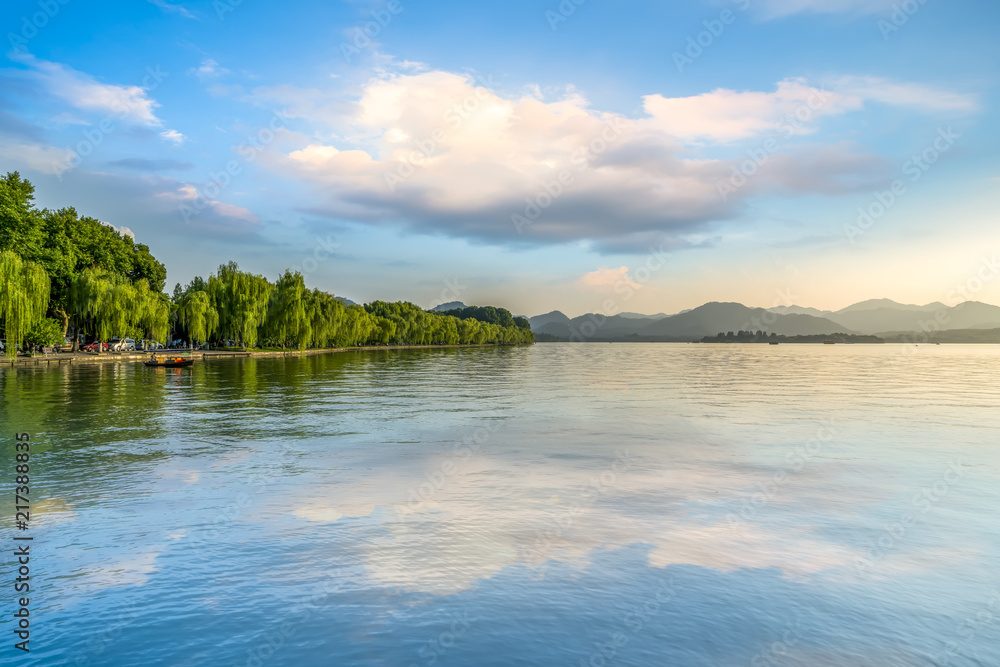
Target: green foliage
(45,333)
(87,272)
(489,314)
(287,321)
(24,298)
(241,300)
(414,326)
(65,244)
(197,314)
(112,305)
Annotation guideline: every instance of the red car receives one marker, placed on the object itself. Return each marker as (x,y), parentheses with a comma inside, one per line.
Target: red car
(93,347)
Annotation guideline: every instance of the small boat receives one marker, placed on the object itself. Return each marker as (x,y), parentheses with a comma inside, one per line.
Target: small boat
(773,342)
(168,362)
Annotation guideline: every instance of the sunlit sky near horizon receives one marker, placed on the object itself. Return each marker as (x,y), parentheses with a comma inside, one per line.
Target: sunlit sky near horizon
(532,155)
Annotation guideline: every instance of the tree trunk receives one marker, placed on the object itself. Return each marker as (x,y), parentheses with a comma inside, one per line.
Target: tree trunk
(65,322)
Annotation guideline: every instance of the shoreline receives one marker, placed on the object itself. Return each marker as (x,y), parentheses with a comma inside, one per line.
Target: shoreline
(71,358)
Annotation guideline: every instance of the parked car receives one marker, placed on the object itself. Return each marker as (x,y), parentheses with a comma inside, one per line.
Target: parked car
(151,345)
(123,345)
(96,346)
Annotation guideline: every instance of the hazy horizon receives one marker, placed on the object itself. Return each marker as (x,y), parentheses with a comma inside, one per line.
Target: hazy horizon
(748,305)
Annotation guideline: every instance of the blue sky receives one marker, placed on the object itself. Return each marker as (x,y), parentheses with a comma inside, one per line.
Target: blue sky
(536,155)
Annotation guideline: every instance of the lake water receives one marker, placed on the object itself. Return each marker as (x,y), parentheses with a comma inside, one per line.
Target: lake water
(561,504)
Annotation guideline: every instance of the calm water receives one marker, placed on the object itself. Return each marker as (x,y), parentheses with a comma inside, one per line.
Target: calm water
(556,505)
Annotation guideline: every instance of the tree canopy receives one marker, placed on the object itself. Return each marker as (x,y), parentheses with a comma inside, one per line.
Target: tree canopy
(88,274)
(24,297)
(65,244)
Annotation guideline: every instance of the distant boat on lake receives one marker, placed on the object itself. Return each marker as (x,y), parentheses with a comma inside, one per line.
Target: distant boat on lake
(168,362)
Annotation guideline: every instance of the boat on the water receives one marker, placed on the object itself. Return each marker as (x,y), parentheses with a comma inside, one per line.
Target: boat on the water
(168,361)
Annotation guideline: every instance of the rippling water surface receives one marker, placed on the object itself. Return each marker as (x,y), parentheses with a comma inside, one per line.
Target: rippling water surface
(562,504)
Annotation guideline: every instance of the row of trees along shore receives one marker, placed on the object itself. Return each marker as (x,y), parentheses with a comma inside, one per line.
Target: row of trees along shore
(62,274)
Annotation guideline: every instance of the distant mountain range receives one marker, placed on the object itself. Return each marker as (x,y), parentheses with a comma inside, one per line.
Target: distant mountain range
(881,317)
(451,305)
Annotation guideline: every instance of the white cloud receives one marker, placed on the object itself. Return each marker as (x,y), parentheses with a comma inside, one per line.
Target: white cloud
(83,92)
(173,136)
(912,95)
(123,230)
(609,278)
(728,115)
(35,156)
(132,570)
(771,9)
(188,194)
(464,534)
(209,69)
(438,152)
(173,9)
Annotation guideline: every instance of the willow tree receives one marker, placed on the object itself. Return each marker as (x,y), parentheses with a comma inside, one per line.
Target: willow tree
(326,315)
(152,311)
(24,297)
(198,315)
(287,319)
(241,299)
(116,306)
